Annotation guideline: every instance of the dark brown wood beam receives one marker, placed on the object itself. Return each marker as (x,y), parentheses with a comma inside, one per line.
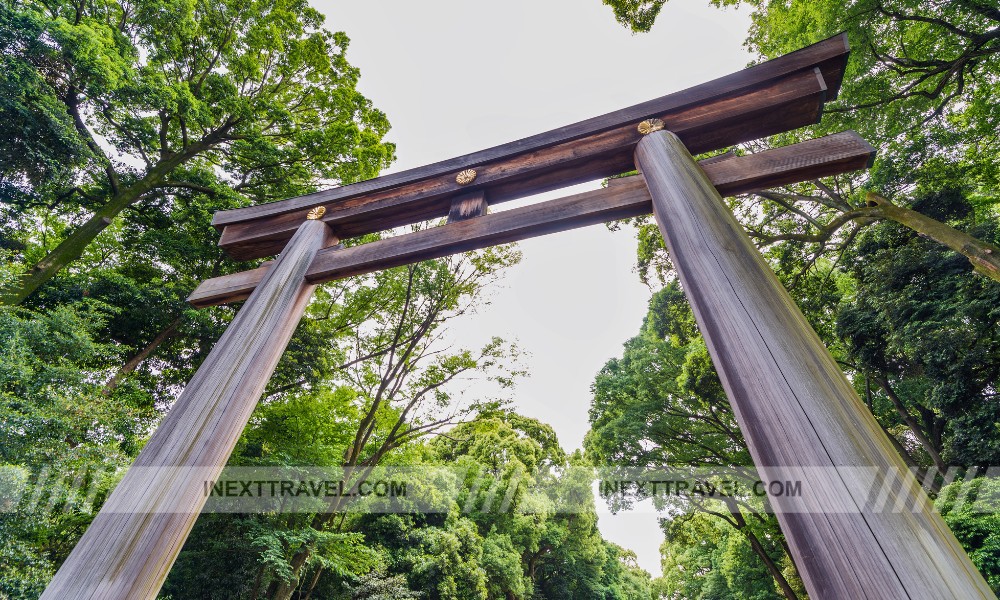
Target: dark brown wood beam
(829,55)
(830,155)
(788,103)
(625,198)
(228,288)
(772,97)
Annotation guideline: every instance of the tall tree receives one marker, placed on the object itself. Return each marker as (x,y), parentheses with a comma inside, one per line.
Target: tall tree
(401,377)
(922,329)
(251,95)
(661,405)
(704,558)
(534,508)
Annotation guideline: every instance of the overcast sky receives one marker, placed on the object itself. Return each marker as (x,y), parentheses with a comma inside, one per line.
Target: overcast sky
(457,76)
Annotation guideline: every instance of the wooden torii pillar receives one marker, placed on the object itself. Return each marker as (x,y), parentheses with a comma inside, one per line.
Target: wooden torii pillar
(796,409)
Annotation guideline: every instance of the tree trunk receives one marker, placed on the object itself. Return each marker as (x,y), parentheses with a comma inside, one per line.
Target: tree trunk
(70,249)
(934,485)
(779,578)
(137,359)
(913,424)
(739,523)
(283,590)
(73,246)
(315,581)
(985,257)
(912,464)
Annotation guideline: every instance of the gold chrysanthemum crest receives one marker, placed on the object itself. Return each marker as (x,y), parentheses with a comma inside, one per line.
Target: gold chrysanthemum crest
(316,213)
(466,177)
(650,125)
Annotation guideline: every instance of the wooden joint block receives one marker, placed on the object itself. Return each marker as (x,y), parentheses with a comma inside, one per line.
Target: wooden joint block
(467,206)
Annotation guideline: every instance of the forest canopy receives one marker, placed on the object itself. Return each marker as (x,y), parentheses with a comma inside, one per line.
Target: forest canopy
(126,125)
(895,268)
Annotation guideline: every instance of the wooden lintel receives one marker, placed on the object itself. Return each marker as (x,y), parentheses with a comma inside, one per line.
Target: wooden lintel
(789,103)
(775,96)
(626,197)
(467,206)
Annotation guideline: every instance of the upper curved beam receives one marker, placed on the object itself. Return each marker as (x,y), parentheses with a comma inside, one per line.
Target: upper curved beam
(775,96)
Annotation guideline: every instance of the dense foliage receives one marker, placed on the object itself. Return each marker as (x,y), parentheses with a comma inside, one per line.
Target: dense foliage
(125,126)
(897,268)
(924,331)
(662,405)
(499,524)
(139,105)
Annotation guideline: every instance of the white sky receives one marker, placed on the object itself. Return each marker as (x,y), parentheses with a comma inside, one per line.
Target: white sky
(455,76)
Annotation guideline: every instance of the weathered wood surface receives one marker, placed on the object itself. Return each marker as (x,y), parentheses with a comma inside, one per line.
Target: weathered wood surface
(799,414)
(787,103)
(467,206)
(821,157)
(830,155)
(779,95)
(624,200)
(829,55)
(130,546)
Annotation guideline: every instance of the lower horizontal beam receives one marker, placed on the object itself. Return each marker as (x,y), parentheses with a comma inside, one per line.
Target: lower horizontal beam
(228,288)
(628,197)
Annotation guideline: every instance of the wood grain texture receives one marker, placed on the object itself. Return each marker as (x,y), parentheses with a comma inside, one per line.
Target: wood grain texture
(779,106)
(133,541)
(796,409)
(782,94)
(822,157)
(627,199)
(829,55)
(830,155)
(467,206)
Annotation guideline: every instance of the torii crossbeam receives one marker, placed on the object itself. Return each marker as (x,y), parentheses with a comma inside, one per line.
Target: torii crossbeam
(794,405)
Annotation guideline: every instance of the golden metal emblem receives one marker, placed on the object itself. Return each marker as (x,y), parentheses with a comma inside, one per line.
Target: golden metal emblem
(466,177)
(316,213)
(650,125)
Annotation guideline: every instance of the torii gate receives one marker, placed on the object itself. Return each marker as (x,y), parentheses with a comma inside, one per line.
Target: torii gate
(794,405)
